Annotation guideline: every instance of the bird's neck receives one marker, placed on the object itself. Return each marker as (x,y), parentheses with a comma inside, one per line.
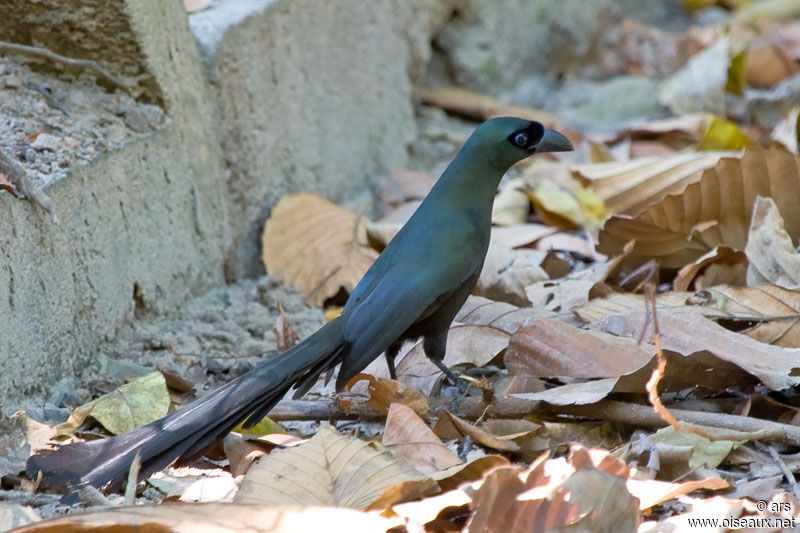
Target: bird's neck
(469,183)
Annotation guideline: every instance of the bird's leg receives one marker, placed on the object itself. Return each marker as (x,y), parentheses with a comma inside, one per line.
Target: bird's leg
(391,353)
(435,346)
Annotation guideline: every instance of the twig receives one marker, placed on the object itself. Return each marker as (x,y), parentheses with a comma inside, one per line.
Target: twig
(740,428)
(52,56)
(26,498)
(16,175)
(658,372)
(47,94)
(787,473)
(721,426)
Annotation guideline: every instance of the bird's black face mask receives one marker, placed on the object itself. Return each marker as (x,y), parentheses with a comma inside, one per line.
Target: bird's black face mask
(538,139)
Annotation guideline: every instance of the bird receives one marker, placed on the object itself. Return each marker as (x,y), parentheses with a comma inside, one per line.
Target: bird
(413,290)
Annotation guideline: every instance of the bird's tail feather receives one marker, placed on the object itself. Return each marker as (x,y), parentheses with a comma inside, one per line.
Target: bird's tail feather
(194,426)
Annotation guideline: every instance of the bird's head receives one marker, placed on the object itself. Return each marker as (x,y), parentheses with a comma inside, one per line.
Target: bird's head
(507,140)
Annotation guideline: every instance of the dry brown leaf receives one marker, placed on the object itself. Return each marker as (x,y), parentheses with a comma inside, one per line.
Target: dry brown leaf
(477,106)
(773,257)
(316,245)
(775,311)
(621,302)
(686,128)
(219,518)
(687,334)
(629,187)
(549,347)
(329,469)
(285,335)
(240,452)
(652,492)
(715,211)
(449,426)
(427,510)
(500,315)
(765,65)
(555,495)
(455,476)
(506,273)
(720,266)
(384,392)
(466,343)
(520,235)
(408,437)
(582,393)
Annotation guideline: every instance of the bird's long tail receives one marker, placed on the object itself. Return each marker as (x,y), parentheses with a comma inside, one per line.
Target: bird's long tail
(194,426)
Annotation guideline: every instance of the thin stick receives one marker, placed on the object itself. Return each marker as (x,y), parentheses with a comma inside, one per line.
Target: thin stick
(787,473)
(723,426)
(88,64)
(23,185)
(658,372)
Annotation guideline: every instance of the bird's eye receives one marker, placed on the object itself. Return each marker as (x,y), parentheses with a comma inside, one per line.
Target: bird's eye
(521,139)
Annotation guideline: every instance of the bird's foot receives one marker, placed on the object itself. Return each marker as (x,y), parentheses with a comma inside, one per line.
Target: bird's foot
(457,381)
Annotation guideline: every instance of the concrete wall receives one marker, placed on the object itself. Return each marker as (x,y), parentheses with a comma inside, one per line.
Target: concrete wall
(142,226)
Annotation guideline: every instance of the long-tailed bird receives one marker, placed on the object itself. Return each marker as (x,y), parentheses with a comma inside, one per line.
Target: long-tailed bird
(414,289)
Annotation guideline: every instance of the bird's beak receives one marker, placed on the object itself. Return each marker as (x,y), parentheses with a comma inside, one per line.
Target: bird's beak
(552,141)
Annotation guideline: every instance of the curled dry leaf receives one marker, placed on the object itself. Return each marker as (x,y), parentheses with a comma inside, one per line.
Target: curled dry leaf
(316,245)
(240,452)
(652,492)
(449,426)
(559,198)
(720,266)
(773,257)
(715,211)
(408,437)
(384,392)
(477,106)
(219,517)
(329,469)
(629,187)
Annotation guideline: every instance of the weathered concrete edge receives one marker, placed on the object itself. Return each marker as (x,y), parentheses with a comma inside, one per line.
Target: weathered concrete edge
(141,227)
